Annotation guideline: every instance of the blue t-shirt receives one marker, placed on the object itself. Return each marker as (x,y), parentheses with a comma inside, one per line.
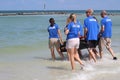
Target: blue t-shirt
(74,29)
(53,31)
(107,23)
(93,28)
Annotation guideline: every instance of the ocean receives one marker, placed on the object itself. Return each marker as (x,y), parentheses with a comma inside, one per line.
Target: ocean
(24,52)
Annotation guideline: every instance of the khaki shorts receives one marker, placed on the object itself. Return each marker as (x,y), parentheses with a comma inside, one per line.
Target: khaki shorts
(54,42)
(73,43)
(104,41)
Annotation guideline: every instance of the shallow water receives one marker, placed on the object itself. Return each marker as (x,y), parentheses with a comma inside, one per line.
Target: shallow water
(24,53)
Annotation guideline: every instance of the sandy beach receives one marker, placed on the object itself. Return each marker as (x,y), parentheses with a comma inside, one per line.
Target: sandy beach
(31,66)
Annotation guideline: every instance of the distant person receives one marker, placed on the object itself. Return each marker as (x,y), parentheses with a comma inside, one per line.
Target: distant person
(106,33)
(72,45)
(91,30)
(54,38)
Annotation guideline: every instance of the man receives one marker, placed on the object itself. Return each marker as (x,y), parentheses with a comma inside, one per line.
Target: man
(106,33)
(91,30)
(54,37)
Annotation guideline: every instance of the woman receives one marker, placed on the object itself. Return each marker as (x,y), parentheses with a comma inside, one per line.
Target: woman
(73,31)
(54,38)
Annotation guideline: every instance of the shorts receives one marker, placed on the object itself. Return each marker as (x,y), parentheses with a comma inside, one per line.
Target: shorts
(54,42)
(92,43)
(73,43)
(104,41)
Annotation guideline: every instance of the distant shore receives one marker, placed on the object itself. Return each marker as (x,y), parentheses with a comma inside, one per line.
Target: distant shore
(52,12)
(30,13)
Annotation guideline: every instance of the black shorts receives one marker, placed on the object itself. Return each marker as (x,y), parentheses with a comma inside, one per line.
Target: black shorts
(92,43)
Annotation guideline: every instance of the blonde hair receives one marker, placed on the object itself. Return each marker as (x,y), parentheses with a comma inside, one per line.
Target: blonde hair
(72,17)
(68,20)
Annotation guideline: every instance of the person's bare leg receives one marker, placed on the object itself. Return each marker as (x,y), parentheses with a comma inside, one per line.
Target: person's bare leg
(68,54)
(52,53)
(76,56)
(112,53)
(71,52)
(100,46)
(92,54)
(109,48)
(80,54)
(60,53)
(96,52)
(90,57)
(101,53)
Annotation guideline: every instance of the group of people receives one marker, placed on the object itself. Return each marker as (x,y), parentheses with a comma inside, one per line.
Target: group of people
(73,30)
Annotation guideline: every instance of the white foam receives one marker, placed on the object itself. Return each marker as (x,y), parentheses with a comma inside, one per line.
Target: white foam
(80,77)
(88,68)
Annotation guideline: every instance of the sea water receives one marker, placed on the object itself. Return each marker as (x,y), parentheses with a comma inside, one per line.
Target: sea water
(24,52)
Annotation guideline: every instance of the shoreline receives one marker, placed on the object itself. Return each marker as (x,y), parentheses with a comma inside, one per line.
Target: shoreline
(53,12)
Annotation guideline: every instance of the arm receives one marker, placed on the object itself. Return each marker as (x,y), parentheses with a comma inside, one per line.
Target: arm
(60,36)
(102,29)
(66,31)
(81,32)
(85,32)
(102,26)
(85,28)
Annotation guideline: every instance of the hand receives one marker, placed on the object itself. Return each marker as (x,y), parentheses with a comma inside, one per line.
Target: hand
(61,43)
(99,35)
(65,29)
(81,37)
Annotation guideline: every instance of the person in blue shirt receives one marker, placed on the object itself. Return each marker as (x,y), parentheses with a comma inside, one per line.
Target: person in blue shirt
(54,38)
(91,30)
(80,36)
(73,31)
(106,33)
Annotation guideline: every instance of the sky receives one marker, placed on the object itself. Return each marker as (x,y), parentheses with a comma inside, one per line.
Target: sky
(59,4)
